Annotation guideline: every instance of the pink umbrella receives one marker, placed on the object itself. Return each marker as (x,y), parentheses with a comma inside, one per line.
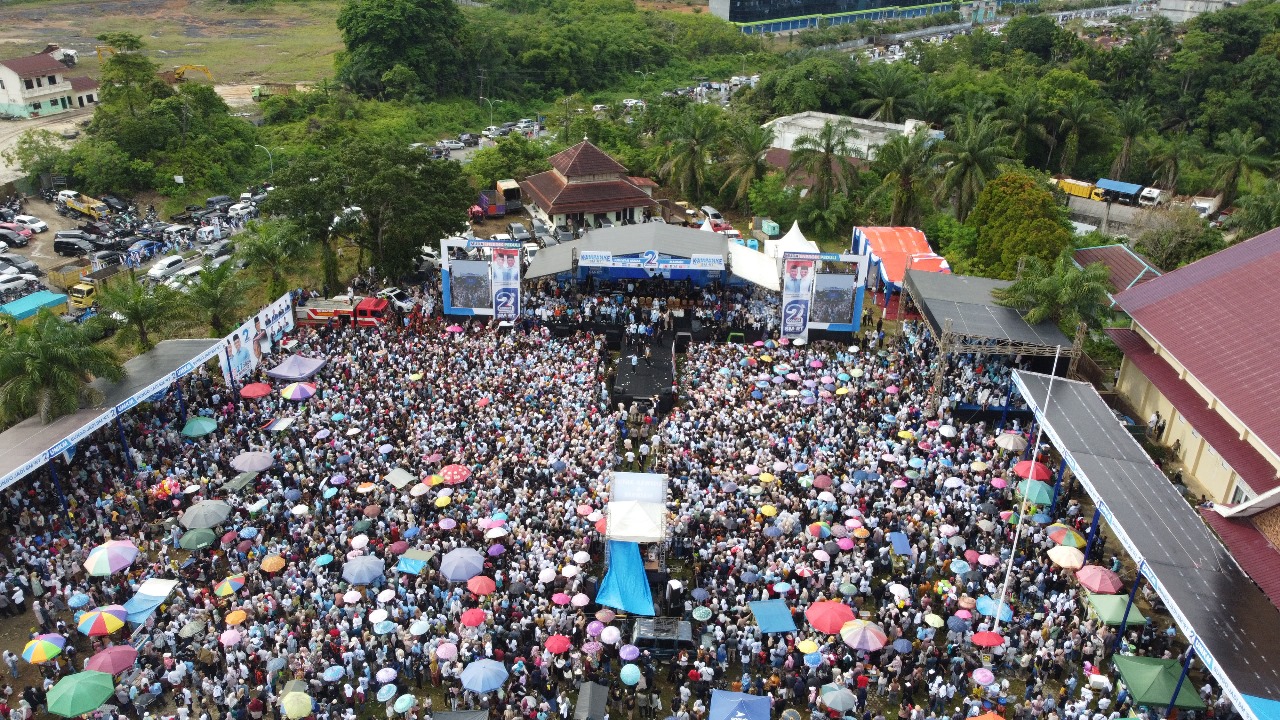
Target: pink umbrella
(454,329)
(962,613)
(815,363)
(983,676)
(1000,483)
(580,600)
(971,555)
(448,523)
(899,483)
(229,637)
(753,469)
(560,599)
(891,390)
(845,543)
(584,510)
(988,560)
(821,556)
(447,651)
(557,644)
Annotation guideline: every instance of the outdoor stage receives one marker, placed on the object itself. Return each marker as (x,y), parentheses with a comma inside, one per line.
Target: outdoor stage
(645,381)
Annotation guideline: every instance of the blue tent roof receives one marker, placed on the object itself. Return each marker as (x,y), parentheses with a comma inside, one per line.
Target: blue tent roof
(727,705)
(900,544)
(625,586)
(1120,187)
(25,307)
(296,368)
(1264,708)
(773,616)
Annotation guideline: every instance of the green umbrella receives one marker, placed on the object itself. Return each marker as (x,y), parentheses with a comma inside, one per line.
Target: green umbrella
(80,693)
(199,427)
(702,614)
(1110,610)
(197,539)
(240,481)
(1036,492)
(362,525)
(1151,681)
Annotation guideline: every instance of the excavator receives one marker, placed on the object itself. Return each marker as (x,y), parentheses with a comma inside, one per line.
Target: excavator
(179,74)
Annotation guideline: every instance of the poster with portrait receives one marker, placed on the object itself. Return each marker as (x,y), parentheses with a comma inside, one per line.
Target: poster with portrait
(504,276)
(258,337)
(833,299)
(797,294)
(469,285)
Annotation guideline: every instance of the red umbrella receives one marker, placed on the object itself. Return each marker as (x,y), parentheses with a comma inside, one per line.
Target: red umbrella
(481,585)
(473,617)
(1099,580)
(255,390)
(113,660)
(822,482)
(987,639)
(398,548)
(1030,470)
(828,616)
(455,474)
(602,525)
(557,644)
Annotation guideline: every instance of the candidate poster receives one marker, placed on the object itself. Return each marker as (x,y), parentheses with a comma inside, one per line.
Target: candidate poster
(504,276)
(259,336)
(797,293)
(469,285)
(833,305)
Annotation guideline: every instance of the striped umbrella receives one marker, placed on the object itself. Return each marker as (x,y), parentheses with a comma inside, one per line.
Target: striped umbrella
(44,648)
(229,585)
(863,635)
(1066,535)
(298,391)
(102,621)
(110,557)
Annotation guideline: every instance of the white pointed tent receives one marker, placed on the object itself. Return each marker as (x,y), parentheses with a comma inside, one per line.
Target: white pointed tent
(792,241)
(638,522)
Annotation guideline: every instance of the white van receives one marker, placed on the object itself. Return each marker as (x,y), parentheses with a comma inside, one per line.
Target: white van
(208,234)
(166,266)
(184,277)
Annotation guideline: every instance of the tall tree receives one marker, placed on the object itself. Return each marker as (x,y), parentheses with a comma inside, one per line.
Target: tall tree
(1027,116)
(688,146)
(1079,115)
(888,91)
(1132,118)
(973,152)
(310,190)
(424,36)
(745,164)
(1058,292)
(1259,211)
(129,78)
(1238,152)
(1169,155)
(46,367)
(270,249)
(906,162)
(1016,216)
(216,296)
(824,159)
(1173,239)
(143,307)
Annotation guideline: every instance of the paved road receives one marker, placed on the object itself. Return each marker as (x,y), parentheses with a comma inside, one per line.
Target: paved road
(11,130)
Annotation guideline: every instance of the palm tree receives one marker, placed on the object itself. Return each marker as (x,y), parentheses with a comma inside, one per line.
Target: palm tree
(689,145)
(1238,153)
(1027,116)
(745,163)
(824,160)
(271,248)
(215,296)
(143,307)
(972,154)
(1132,117)
(890,89)
(1258,212)
(908,165)
(930,103)
(1080,114)
(46,367)
(1059,292)
(1168,155)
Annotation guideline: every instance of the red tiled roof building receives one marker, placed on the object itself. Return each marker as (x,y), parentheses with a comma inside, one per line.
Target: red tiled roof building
(585,187)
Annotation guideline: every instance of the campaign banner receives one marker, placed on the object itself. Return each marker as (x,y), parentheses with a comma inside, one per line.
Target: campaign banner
(649,259)
(469,286)
(504,277)
(862,261)
(797,294)
(257,337)
(490,243)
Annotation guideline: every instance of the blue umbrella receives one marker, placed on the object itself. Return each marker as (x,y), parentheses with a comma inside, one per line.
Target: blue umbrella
(700,594)
(959,567)
(859,475)
(461,565)
(322,560)
(329,492)
(916,462)
(813,659)
(1041,519)
(333,673)
(772,531)
(249,533)
(957,624)
(726,372)
(344,459)
(889,418)
(757,395)
(293,494)
(749,577)
(630,674)
(844,377)
(384,627)
(336,417)
(801,467)
(782,587)
(412,532)
(558,466)
(363,570)
(902,645)
(762,384)
(484,676)
(987,606)
(946,462)
(386,692)
(79,600)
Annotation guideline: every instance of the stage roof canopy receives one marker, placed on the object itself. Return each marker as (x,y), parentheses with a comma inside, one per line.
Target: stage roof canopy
(629,240)
(974,314)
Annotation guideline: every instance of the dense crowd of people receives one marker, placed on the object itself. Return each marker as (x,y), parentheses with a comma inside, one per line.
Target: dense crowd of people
(807,473)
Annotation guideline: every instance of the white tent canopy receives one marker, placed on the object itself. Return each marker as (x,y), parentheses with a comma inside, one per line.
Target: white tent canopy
(640,487)
(638,522)
(754,266)
(792,241)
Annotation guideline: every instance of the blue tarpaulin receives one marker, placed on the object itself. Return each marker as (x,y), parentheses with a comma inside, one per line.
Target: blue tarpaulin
(727,705)
(773,616)
(901,546)
(1123,188)
(625,586)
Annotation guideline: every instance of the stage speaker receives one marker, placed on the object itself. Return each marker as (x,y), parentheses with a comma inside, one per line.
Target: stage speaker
(696,325)
(682,342)
(613,338)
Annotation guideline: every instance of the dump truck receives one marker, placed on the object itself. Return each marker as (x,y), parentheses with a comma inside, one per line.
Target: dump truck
(67,275)
(84,294)
(24,309)
(1078,188)
(266,90)
(87,206)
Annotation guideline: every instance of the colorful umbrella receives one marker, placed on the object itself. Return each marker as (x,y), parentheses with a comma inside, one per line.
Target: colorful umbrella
(102,621)
(229,585)
(557,644)
(113,660)
(110,557)
(43,648)
(474,617)
(863,635)
(1030,470)
(298,391)
(481,585)
(1065,535)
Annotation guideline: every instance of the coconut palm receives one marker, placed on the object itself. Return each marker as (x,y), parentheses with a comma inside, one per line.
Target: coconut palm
(1027,116)
(1078,115)
(1238,152)
(1058,292)
(270,249)
(824,160)
(972,153)
(46,367)
(1168,155)
(745,163)
(689,145)
(907,162)
(1132,118)
(215,296)
(889,89)
(143,307)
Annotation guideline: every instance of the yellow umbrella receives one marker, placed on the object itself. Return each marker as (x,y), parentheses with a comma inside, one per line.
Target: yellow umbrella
(296,705)
(415,377)
(235,617)
(807,646)
(978,466)
(906,435)
(768,510)
(442,501)
(273,563)
(862,533)
(767,358)
(767,477)
(934,621)
(842,391)
(435,480)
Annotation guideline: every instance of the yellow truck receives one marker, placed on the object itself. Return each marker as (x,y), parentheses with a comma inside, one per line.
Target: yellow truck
(84,294)
(66,275)
(1089,191)
(88,207)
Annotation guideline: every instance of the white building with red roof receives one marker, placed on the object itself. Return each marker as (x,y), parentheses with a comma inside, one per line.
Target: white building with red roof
(36,86)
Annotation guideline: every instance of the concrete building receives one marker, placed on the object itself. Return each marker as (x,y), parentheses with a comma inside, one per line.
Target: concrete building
(871,134)
(34,86)
(1183,10)
(1201,353)
(584,188)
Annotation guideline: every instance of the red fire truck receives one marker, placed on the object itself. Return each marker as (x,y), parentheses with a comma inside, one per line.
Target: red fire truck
(363,311)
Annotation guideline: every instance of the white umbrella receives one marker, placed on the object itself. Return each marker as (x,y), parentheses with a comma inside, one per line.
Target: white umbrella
(570,570)
(582,557)
(946,431)
(546,575)
(1011,442)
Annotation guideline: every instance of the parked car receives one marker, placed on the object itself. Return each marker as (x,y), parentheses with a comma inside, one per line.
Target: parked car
(107,258)
(115,203)
(398,298)
(451,144)
(23,264)
(146,248)
(599,108)
(219,249)
(31,222)
(184,277)
(243,209)
(491,131)
(11,283)
(12,239)
(72,247)
(564,234)
(518,231)
(469,139)
(165,267)
(71,235)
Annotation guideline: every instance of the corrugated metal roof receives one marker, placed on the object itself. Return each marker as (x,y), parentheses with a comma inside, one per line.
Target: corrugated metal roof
(1257,556)
(1252,467)
(584,159)
(629,240)
(1124,267)
(967,302)
(1217,318)
(81,83)
(1120,187)
(33,65)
